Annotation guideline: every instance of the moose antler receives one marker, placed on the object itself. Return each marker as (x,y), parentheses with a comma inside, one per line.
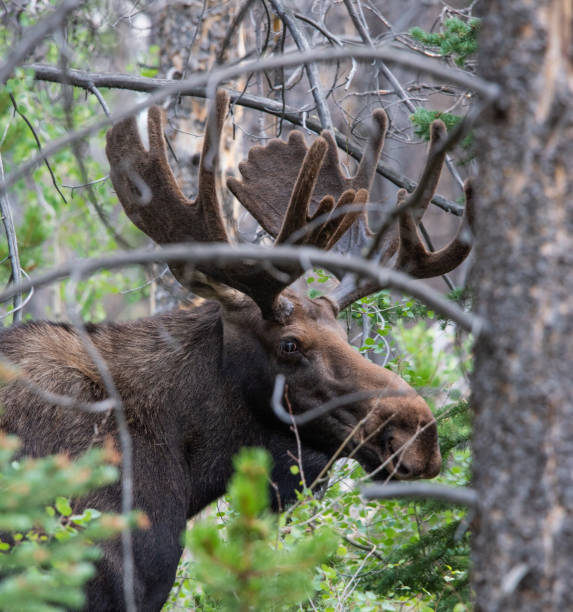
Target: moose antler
(270,173)
(152,199)
(296,193)
(403,241)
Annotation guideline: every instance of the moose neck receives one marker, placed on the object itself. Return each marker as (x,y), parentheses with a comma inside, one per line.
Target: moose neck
(206,395)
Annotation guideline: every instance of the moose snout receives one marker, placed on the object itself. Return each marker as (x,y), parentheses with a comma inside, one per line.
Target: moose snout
(414,454)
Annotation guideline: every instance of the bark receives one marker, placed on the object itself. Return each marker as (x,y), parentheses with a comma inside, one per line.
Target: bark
(523,383)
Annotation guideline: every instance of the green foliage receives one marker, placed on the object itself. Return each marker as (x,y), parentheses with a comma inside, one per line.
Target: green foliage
(242,566)
(431,555)
(422,120)
(437,562)
(48,229)
(49,550)
(379,312)
(317,278)
(458,39)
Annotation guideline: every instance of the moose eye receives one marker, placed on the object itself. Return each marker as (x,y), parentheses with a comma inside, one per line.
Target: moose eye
(289,346)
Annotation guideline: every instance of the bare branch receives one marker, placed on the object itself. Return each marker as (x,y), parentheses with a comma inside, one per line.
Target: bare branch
(225,254)
(389,53)
(319,411)
(8,221)
(87,80)
(38,144)
(463,496)
(222,54)
(311,70)
(124,437)
(100,99)
(12,372)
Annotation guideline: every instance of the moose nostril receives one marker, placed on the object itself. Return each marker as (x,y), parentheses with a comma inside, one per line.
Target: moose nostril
(403,471)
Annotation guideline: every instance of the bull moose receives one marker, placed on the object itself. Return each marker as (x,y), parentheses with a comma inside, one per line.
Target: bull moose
(196,384)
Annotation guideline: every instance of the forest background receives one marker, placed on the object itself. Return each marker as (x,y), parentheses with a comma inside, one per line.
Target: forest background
(71,68)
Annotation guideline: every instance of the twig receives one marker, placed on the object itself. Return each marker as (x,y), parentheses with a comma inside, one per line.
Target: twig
(94,182)
(298,458)
(512,579)
(24,302)
(329,35)
(38,144)
(311,70)
(100,99)
(221,55)
(124,438)
(363,547)
(128,567)
(8,221)
(347,590)
(326,407)
(463,496)
(56,399)
(194,37)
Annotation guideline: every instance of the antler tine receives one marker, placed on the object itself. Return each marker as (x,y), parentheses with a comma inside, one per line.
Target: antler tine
(333,230)
(369,162)
(426,188)
(414,258)
(330,227)
(296,215)
(270,174)
(149,192)
(207,200)
(385,241)
(268,177)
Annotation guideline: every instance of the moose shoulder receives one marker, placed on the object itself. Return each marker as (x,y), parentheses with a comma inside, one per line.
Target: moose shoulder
(196,385)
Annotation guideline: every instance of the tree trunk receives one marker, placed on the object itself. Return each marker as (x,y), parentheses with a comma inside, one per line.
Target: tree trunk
(523,381)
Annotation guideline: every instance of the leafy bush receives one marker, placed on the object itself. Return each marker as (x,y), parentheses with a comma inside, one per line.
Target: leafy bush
(48,551)
(242,564)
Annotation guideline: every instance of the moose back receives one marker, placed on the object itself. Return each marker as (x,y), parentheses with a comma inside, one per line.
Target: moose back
(196,385)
